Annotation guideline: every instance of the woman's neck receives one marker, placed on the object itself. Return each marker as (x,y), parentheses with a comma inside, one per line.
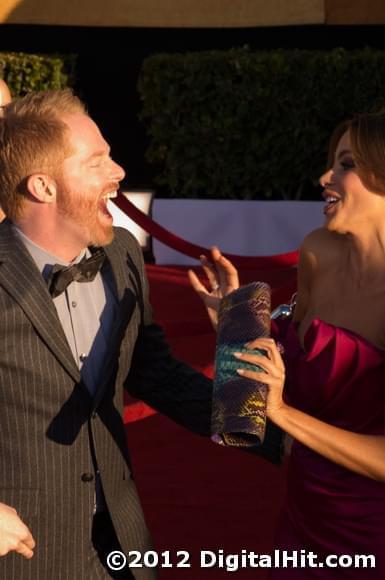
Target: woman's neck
(365,253)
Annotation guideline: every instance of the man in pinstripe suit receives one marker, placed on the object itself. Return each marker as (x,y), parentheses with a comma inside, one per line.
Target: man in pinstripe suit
(76,329)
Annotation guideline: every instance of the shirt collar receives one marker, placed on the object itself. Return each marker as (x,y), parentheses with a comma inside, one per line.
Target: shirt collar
(45,260)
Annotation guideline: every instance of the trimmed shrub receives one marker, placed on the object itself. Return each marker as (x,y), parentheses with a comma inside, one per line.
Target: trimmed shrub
(31,72)
(242,124)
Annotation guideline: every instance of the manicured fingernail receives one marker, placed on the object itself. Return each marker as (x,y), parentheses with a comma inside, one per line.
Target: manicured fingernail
(240,371)
(238,354)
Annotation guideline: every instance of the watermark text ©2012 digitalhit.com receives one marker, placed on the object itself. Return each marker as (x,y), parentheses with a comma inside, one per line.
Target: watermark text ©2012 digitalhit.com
(231,562)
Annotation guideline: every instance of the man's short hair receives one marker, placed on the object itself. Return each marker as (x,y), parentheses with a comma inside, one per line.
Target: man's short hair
(33,139)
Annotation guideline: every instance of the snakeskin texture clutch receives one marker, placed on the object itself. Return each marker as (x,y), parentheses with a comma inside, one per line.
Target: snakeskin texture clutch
(239,403)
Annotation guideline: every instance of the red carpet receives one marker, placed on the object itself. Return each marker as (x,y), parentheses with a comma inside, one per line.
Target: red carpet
(197,495)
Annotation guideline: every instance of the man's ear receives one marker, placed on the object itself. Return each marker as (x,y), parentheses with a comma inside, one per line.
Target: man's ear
(42,187)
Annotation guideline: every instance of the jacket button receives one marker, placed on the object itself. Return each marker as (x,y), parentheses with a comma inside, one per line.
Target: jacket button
(86,477)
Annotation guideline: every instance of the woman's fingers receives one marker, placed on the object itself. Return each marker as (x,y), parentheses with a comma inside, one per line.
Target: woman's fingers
(211,273)
(262,361)
(272,374)
(201,289)
(210,301)
(220,272)
(221,275)
(228,274)
(196,283)
(270,346)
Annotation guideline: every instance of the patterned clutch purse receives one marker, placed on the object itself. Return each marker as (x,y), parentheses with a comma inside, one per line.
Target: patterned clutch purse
(239,403)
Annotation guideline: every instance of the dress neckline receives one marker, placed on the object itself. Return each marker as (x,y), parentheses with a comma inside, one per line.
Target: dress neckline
(318,321)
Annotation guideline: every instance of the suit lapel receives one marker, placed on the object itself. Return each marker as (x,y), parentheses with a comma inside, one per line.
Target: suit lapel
(126,305)
(20,277)
(119,275)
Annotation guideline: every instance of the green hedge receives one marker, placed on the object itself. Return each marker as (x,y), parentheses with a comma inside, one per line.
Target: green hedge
(244,124)
(31,72)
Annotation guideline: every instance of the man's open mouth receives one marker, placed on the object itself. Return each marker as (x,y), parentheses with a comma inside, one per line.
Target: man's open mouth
(104,200)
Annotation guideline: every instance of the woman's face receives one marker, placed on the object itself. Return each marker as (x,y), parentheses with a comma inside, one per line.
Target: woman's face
(349,205)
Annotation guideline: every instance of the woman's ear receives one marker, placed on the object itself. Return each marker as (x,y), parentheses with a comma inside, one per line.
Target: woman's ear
(42,187)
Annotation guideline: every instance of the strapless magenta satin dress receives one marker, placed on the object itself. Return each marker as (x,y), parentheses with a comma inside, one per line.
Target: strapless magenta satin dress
(339,377)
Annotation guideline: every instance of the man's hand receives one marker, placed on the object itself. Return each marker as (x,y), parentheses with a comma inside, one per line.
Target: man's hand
(223,279)
(14,534)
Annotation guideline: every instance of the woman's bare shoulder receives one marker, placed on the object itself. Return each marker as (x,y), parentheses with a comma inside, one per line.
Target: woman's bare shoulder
(319,237)
(318,251)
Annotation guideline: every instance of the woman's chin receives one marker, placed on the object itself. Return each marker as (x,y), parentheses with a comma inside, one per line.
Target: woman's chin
(334,223)
(329,224)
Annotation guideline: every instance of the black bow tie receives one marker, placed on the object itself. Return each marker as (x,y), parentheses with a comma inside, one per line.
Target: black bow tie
(84,271)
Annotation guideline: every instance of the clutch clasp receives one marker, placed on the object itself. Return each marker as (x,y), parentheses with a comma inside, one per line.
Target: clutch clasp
(285,310)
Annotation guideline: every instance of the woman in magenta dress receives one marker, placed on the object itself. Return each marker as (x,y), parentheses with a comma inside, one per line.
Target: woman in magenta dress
(327,391)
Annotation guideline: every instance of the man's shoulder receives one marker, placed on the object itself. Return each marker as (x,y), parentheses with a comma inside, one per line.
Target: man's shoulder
(8,237)
(124,242)
(5,227)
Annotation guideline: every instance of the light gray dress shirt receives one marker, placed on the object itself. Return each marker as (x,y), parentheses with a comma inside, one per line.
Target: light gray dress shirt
(86,311)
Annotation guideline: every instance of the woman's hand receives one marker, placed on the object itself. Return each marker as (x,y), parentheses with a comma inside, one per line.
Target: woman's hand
(272,375)
(223,279)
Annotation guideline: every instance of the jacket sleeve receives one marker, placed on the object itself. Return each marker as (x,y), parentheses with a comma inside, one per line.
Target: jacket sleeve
(156,377)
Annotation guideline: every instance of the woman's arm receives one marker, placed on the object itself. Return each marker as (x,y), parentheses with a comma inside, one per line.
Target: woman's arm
(364,454)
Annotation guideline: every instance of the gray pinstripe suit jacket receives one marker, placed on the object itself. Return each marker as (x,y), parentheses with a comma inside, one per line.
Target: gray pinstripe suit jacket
(51,430)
